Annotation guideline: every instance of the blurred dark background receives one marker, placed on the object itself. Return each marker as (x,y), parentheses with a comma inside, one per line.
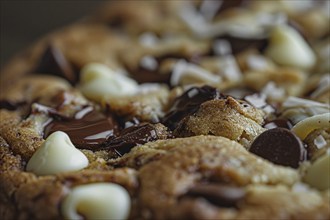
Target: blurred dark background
(23,22)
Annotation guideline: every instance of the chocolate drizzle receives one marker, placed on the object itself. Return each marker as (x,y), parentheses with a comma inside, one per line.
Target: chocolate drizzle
(188,103)
(132,136)
(54,62)
(93,130)
(87,130)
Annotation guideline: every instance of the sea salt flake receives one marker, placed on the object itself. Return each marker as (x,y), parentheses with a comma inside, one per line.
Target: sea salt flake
(272,91)
(257,100)
(320,142)
(149,63)
(228,67)
(148,39)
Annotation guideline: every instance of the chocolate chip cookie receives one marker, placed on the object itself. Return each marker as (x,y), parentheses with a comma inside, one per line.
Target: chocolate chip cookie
(171,110)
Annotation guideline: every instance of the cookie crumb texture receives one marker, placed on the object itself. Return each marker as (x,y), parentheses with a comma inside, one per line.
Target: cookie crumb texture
(171,110)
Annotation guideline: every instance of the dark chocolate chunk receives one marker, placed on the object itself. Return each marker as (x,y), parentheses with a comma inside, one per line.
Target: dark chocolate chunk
(280,146)
(278,123)
(188,103)
(131,137)
(144,75)
(10,105)
(220,195)
(54,62)
(240,44)
(89,129)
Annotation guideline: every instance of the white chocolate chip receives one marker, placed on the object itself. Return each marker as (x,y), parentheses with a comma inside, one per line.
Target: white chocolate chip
(56,155)
(306,126)
(187,73)
(94,71)
(97,201)
(288,48)
(318,174)
(99,81)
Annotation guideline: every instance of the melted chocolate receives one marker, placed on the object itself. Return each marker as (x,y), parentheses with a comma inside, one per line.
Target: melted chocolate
(131,137)
(188,103)
(54,62)
(280,146)
(89,129)
(220,195)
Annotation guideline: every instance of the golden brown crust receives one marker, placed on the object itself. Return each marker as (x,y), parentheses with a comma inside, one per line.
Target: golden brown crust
(227,117)
(208,148)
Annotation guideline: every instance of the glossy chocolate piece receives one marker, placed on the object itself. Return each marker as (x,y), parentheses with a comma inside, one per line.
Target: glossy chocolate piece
(54,62)
(220,195)
(131,137)
(280,146)
(89,129)
(188,103)
(278,123)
